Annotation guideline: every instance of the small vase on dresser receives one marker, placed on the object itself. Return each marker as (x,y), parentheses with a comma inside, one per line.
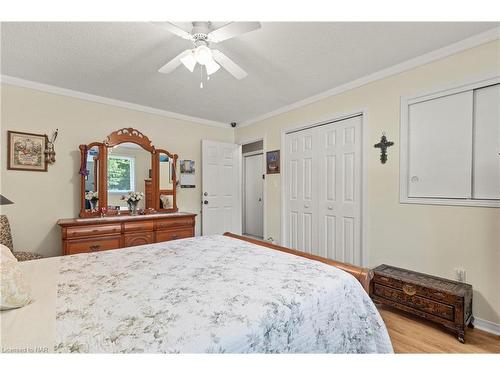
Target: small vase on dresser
(132,200)
(132,207)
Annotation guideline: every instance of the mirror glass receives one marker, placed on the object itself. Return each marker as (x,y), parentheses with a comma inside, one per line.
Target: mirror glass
(166,185)
(166,201)
(91,180)
(165,172)
(129,168)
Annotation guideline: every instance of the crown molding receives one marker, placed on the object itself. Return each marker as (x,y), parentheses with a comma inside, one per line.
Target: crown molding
(473,41)
(15,81)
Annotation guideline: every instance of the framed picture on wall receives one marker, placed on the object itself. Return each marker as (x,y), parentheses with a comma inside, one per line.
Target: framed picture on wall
(273,162)
(26,151)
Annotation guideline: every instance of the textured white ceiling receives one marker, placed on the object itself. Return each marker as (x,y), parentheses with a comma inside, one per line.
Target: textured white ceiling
(286,62)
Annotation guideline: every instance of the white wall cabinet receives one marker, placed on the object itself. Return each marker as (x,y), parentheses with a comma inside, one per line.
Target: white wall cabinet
(450,146)
(486,176)
(440,147)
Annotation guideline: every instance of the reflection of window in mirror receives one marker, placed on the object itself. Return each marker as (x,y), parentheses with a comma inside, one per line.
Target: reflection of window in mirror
(165,172)
(121,174)
(90,178)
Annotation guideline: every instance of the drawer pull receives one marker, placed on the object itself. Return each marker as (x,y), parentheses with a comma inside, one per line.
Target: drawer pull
(409,290)
(175,236)
(94,247)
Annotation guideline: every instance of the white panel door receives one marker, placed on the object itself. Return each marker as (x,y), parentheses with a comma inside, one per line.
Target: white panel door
(486,174)
(301,191)
(253,201)
(221,202)
(440,147)
(339,188)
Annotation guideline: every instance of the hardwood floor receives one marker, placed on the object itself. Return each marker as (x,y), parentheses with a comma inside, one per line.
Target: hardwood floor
(411,334)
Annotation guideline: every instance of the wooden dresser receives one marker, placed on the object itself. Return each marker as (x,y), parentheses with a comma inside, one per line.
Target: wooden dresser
(443,301)
(84,235)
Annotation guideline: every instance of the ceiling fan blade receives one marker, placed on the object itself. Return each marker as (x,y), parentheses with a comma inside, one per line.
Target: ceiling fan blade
(174,29)
(231,30)
(174,63)
(229,64)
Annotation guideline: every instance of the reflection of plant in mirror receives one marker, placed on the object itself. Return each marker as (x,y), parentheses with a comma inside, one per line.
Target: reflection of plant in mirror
(120,174)
(91,196)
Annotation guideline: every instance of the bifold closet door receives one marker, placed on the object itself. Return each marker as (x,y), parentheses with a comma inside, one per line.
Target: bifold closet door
(323,190)
(339,190)
(301,191)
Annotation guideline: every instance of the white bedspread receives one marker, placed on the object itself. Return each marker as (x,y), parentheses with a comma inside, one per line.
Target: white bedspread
(204,294)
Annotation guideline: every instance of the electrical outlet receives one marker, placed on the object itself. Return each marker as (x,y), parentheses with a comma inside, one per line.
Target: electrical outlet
(460,275)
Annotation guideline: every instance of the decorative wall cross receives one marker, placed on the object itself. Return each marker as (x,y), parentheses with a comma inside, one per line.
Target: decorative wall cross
(383,145)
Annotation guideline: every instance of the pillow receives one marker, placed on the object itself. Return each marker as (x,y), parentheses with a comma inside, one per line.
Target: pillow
(14,290)
(165,201)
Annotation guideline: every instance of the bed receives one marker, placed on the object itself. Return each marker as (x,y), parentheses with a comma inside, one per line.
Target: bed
(211,294)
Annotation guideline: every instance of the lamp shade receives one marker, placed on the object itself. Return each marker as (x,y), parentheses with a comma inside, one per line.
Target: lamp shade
(4,200)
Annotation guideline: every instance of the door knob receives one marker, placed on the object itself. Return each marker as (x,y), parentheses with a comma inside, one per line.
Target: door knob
(205,194)
(260,199)
(205,202)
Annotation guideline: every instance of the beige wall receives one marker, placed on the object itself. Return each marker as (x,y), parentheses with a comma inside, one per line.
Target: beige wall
(41,198)
(432,239)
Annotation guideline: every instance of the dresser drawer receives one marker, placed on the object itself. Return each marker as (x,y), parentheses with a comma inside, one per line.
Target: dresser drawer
(138,238)
(169,235)
(92,230)
(175,222)
(139,226)
(409,298)
(91,245)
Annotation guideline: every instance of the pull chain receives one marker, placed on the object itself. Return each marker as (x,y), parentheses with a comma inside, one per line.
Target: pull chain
(201,76)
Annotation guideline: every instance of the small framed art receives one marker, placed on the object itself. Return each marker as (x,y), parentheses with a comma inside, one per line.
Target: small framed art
(26,151)
(273,162)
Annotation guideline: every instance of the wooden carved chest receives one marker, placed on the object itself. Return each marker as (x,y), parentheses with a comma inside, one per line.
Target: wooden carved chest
(440,300)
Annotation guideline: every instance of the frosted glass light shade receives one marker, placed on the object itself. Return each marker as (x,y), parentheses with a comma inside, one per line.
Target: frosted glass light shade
(212,66)
(189,61)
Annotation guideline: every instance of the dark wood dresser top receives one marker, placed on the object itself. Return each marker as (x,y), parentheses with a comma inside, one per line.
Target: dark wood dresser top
(425,280)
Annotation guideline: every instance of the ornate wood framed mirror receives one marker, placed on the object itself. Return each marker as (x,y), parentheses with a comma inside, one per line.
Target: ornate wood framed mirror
(126,161)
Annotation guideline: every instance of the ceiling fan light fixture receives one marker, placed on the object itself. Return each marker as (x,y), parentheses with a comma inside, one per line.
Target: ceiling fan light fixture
(212,67)
(189,61)
(203,55)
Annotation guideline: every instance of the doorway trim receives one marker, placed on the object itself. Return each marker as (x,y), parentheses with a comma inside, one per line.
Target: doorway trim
(264,188)
(364,174)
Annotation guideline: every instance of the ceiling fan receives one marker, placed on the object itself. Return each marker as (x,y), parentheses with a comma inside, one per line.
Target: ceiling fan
(202,36)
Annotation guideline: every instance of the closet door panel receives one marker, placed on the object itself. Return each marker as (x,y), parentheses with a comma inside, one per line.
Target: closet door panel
(339,178)
(301,182)
(440,147)
(486,175)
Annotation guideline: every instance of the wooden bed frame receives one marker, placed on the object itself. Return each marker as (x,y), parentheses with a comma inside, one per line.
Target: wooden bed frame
(363,275)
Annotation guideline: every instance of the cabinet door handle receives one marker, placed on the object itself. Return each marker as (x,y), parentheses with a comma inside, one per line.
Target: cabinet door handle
(330,207)
(306,206)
